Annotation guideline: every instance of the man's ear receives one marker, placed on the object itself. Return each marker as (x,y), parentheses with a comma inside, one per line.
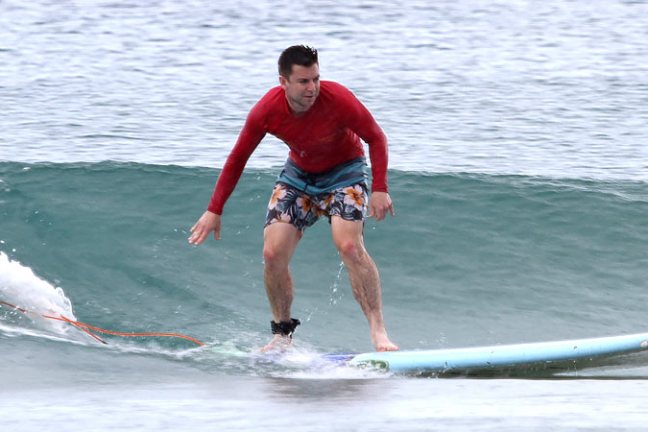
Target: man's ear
(283,81)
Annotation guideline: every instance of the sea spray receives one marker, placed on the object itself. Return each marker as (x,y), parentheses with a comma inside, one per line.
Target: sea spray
(20,287)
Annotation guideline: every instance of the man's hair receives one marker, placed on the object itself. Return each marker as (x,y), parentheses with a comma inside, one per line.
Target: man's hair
(300,55)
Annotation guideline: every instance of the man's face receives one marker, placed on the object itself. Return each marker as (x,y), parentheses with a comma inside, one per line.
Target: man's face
(302,87)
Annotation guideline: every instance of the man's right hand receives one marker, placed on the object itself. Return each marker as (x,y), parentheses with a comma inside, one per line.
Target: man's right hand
(207,223)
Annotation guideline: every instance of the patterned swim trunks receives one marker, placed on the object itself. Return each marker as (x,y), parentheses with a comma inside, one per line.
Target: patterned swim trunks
(291,205)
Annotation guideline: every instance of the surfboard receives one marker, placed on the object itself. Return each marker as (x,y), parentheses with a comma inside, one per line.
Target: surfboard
(575,354)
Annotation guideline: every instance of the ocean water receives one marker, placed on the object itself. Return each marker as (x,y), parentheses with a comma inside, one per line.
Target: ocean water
(518,170)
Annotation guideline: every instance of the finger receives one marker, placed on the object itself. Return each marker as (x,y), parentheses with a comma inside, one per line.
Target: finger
(194,230)
(197,237)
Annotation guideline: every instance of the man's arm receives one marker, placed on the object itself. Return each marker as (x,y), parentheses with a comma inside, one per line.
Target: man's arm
(366,127)
(249,138)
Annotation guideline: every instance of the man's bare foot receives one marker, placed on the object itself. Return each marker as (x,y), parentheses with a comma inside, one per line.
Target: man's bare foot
(382,343)
(278,343)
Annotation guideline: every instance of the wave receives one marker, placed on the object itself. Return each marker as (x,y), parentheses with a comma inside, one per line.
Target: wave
(468,258)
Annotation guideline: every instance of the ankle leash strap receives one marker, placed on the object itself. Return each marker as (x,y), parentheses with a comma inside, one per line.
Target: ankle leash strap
(285,328)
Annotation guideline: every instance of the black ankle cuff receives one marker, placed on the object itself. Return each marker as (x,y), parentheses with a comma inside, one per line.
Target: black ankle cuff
(284,328)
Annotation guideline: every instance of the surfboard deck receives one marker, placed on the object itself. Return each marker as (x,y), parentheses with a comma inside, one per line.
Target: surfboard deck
(577,353)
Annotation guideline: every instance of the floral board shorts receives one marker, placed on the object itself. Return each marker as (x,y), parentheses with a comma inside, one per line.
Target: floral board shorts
(291,205)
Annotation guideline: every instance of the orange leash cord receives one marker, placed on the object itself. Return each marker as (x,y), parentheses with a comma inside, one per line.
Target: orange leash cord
(89,329)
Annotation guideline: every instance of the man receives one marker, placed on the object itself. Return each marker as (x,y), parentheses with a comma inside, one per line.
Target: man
(322,123)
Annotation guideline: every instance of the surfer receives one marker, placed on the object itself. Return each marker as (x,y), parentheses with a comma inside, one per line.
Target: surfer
(322,123)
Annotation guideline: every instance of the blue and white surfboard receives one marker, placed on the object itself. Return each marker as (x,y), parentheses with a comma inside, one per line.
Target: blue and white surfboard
(461,360)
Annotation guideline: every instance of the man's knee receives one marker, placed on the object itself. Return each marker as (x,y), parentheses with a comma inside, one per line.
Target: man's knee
(350,249)
(279,244)
(272,255)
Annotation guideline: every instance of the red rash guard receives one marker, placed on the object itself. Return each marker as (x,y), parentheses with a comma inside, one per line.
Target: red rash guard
(325,136)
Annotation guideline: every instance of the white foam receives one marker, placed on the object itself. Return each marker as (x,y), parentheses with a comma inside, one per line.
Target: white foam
(306,363)
(19,286)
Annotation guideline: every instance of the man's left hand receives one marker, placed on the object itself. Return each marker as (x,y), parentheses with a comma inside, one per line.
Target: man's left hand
(379,204)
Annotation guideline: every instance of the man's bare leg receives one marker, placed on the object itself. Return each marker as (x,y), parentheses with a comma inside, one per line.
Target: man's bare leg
(279,243)
(364,278)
